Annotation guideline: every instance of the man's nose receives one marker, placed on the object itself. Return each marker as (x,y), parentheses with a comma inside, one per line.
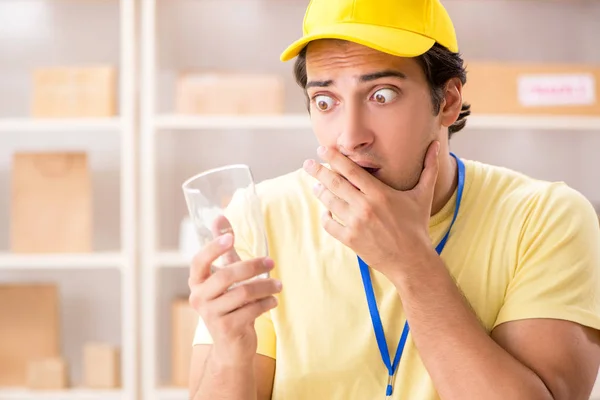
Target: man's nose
(355,135)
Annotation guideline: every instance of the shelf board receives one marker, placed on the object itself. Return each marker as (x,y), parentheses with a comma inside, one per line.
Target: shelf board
(9,261)
(74,394)
(185,122)
(16,125)
(171,259)
(300,121)
(172,394)
(550,122)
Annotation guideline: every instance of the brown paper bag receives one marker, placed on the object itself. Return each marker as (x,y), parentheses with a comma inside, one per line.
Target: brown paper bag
(63,92)
(29,329)
(184,320)
(51,203)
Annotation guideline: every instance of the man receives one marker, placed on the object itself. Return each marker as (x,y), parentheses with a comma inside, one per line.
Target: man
(485,280)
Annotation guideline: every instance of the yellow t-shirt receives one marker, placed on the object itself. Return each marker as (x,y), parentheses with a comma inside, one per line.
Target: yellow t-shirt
(520,248)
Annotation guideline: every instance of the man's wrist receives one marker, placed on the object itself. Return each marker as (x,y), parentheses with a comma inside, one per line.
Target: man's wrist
(225,361)
(413,268)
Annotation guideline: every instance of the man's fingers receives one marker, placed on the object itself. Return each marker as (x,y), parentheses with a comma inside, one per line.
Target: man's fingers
(224,277)
(200,268)
(248,313)
(333,203)
(333,181)
(244,294)
(354,173)
(429,175)
(334,228)
(242,304)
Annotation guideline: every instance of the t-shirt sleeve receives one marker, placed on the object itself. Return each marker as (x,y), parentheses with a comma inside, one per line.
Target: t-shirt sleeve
(558,269)
(247,247)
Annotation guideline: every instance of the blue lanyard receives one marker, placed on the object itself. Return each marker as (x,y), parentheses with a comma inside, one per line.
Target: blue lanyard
(377,326)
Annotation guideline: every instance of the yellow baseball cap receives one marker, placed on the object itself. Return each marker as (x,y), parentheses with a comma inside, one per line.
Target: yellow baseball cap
(405,28)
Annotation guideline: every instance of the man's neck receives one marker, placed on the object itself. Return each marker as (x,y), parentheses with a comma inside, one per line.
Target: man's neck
(446,183)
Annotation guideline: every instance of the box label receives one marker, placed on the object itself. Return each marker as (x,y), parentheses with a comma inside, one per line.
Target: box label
(557,90)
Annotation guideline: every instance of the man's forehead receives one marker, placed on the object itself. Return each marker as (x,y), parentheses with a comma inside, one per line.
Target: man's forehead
(337,55)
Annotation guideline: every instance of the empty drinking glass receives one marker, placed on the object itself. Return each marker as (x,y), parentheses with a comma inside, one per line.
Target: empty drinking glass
(218,196)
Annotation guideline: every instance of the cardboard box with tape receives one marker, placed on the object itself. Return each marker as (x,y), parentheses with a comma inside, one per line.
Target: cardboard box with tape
(532,89)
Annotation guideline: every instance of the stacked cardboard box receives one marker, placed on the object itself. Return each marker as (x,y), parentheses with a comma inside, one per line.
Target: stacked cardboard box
(74,92)
(229,93)
(533,89)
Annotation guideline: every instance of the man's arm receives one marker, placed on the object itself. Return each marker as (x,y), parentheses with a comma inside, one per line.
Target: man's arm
(557,279)
(240,382)
(520,361)
(565,357)
(226,339)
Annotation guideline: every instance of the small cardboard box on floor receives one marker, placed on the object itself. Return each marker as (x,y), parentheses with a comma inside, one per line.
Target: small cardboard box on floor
(48,374)
(532,89)
(101,366)
(29,331)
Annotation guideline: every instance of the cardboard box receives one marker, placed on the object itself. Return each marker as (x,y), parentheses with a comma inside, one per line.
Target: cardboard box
(47,374)
(101,366)
(51,206)
(229,94)
(533,89)
(184,322)
(30,329)
(74,92)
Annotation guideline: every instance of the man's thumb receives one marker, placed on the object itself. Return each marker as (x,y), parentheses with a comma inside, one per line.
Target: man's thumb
(221,226)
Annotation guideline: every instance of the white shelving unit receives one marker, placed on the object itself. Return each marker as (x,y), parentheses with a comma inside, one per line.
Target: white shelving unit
(172,394)
(171,259)
(114,260)
(291,122)
(40,125)
(75,394)
(69,25)
(178,35)
(165,270)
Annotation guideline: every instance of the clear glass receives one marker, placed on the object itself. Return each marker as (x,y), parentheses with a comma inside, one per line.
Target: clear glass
(218,196)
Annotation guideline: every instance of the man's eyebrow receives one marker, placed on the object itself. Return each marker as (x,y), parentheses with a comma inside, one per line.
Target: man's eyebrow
(319,84)
(363,78)
(382,74)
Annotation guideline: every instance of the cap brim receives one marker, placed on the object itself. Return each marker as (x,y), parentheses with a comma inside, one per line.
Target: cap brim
(393,41)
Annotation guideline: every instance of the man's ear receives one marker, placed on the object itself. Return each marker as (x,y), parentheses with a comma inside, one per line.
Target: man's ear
(452,103)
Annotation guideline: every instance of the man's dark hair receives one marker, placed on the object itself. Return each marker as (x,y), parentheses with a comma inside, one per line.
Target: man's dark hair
(439,65)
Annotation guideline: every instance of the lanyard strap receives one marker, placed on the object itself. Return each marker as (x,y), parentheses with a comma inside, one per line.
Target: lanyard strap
(372,303)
